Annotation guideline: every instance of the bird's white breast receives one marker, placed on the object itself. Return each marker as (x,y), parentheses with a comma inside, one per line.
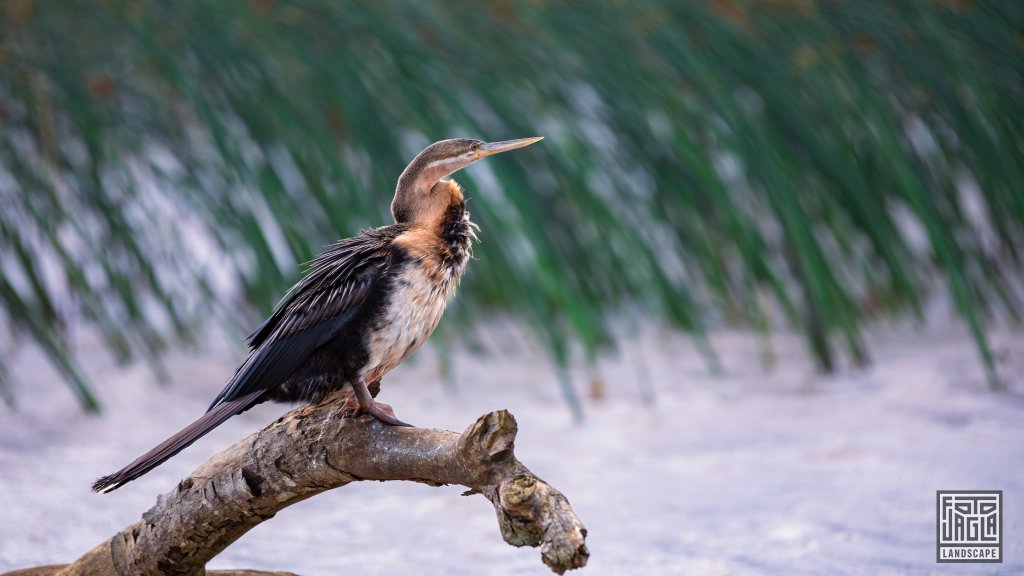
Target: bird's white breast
(413,311)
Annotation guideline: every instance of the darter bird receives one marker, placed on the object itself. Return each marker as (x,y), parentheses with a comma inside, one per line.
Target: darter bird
(364,305)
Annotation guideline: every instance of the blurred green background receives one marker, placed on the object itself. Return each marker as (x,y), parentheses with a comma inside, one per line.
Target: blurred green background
(813,164)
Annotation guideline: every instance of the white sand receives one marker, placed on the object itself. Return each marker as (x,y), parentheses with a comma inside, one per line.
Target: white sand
(750,472)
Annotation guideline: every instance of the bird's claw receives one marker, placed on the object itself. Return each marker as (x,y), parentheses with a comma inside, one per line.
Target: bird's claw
(385,414)
(351,408)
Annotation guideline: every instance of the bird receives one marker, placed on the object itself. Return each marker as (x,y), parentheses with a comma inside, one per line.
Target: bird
(364,305)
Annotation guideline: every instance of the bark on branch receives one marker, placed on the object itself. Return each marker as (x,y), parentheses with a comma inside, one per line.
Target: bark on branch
(310,450)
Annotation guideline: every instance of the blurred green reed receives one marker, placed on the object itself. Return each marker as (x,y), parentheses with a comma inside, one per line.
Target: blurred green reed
(816,163)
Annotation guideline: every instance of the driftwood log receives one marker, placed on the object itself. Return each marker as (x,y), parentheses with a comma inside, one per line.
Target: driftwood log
(310,450)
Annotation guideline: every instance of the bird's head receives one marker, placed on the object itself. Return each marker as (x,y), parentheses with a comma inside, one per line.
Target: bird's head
(422,195)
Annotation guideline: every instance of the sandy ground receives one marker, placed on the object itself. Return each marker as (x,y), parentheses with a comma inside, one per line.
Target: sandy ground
(748,472)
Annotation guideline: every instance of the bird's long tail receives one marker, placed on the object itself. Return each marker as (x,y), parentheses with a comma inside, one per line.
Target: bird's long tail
(176,443)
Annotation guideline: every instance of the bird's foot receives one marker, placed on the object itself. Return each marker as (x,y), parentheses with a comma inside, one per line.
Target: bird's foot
(385,414)
(351,408)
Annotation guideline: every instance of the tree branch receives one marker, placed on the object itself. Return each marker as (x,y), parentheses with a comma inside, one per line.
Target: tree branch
(310,450)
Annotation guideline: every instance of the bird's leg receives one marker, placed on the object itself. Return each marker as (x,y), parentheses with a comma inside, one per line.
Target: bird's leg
(379,410)
(363,403)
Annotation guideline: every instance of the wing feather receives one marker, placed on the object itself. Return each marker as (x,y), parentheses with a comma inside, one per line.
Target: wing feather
(315,311)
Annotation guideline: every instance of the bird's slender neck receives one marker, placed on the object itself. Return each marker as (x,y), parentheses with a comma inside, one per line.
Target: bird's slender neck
(426,208)
(411,185)
(421,195)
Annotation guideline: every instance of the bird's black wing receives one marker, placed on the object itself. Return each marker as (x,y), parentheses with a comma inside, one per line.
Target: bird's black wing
(314,311)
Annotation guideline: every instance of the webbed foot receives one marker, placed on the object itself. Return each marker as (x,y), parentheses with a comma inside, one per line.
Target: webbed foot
(351,408)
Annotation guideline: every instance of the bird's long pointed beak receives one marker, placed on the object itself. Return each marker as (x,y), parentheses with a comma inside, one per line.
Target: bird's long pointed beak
(505,145)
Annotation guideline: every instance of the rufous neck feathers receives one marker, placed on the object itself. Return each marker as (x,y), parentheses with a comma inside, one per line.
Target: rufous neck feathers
(425,207)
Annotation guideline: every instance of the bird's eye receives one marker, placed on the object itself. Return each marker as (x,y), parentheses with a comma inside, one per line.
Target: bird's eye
(475,146)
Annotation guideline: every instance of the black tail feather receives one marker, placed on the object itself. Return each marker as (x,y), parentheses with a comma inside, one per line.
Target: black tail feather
(176,443)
